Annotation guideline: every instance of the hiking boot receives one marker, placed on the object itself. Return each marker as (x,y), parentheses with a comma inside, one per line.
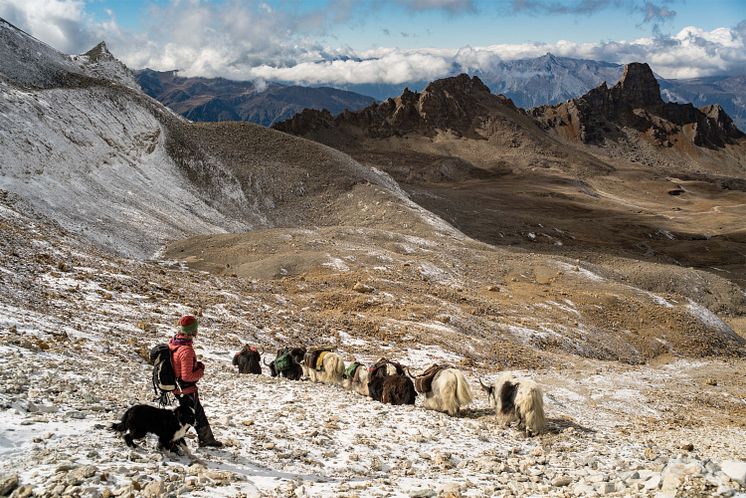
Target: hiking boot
(206,439)
(210,444)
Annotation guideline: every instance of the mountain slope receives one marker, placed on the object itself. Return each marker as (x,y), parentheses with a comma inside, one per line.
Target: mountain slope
(218,99)
(113,164)
(76,326)
(726,91)
(451,118)
(547,79)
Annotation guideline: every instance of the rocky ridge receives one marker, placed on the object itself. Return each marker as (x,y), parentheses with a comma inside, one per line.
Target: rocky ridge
(635,102)
(459,105)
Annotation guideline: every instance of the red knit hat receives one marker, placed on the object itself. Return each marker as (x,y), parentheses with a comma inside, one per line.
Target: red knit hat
(188,324)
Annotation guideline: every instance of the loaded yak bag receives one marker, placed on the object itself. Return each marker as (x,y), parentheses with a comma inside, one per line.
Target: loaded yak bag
(284,361)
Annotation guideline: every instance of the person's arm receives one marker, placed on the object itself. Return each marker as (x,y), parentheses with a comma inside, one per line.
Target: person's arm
(191,369)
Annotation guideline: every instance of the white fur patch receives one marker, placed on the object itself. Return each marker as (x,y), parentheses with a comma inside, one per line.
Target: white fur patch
(181,432)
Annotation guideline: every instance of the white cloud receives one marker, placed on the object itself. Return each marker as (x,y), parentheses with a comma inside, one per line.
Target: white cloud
(249,40)
(395,67)
(692,52)
(60,23)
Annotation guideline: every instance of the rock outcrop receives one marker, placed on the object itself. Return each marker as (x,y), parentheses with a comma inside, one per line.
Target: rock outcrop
(460,105)
(635,103)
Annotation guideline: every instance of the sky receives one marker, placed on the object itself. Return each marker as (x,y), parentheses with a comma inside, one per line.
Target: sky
(341,42)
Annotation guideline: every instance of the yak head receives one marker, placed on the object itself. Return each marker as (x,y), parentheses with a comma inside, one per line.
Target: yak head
(490,390)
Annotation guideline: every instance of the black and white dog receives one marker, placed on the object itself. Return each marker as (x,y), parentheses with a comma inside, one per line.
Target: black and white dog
(169,425)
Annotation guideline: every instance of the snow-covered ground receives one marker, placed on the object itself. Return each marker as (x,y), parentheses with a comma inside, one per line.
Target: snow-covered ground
(75,325)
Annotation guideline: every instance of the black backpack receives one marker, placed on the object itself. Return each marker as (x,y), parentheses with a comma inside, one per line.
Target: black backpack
(164,377)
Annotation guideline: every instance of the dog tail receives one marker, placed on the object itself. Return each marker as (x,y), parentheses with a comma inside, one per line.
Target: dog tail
(118,426)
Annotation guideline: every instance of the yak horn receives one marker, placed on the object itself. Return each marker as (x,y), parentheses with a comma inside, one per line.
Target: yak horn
(486,387)
(410,373)
(264,360)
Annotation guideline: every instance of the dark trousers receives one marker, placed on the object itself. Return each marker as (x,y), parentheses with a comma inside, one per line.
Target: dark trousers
(202,426)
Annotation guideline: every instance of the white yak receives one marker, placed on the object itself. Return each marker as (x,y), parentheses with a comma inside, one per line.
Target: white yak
(332,369)
(449,392)
(517,399)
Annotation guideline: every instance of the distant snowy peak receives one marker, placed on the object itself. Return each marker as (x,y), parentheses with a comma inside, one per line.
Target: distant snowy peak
(548,79)
(98,62)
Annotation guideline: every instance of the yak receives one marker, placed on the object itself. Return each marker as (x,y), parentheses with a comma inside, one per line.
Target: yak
(292,362)
(445,389)
(332,367)
(248,360)
(387,383)
(517,399)
(396,389)
(356,378)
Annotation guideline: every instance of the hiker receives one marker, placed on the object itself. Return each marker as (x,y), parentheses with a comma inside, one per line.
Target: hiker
(188,372)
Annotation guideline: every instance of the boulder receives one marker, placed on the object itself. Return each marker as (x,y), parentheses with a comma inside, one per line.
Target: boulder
(736,470)
(7,484)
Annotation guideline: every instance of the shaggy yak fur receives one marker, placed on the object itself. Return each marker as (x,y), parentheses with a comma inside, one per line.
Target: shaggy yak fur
(295,372)
(387,383)
(358,382)
(398,390)
(377,375)
(448,393)
(248,360)
(169,425)
(332,370)
(517,399)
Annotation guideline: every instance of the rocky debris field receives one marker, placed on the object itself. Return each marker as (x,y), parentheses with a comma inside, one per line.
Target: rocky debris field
(75,325)
(288,438)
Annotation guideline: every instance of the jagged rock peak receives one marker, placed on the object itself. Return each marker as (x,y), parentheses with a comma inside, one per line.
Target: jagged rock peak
(99,52)
(458,85)
(638,86)
(548,58)
(460,104)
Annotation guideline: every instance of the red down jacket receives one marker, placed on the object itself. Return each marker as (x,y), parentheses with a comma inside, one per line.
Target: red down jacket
(186,367)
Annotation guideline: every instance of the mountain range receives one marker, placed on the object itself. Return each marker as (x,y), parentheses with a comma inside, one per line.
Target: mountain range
(552,79)
(529,83)
(219,99)
(456,138)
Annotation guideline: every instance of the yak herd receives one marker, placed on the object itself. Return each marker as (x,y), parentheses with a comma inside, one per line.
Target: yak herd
(445,388)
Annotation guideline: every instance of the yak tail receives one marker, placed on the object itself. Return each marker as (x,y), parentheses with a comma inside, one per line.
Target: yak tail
(533,410)
(463,393)
(118,426)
